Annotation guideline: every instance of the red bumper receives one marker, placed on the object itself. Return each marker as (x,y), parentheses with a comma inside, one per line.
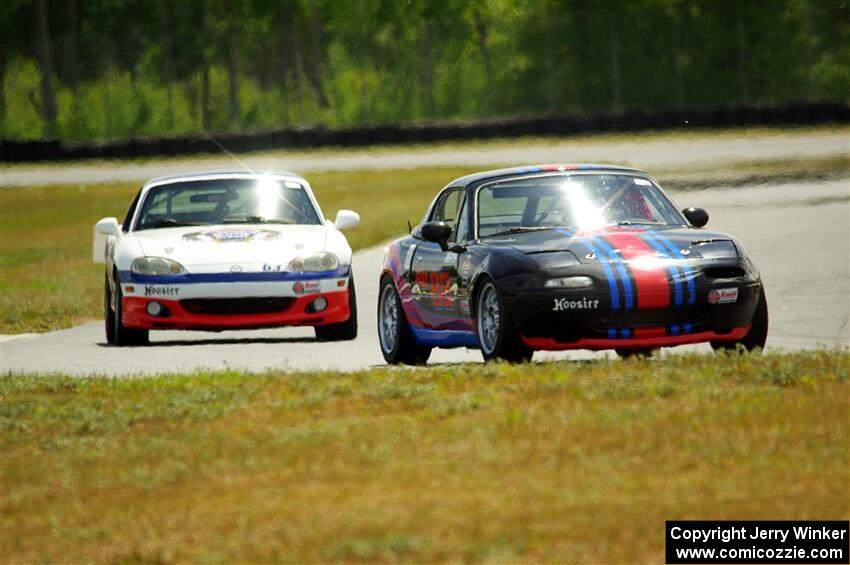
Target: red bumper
(297,313)
(649,337)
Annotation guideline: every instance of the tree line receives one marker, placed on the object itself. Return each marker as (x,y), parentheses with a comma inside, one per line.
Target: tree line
(88,69)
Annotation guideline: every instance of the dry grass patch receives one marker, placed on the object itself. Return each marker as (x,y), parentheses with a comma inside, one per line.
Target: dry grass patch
(577,462)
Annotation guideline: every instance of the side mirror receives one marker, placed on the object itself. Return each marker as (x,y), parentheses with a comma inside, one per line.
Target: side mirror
(108,226)
(437,232)
(696,216)
(346,219)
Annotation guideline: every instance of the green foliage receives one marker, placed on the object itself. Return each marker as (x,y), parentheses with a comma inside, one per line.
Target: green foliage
(140,67)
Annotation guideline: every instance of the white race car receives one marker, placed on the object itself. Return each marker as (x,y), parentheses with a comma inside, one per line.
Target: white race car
(221,251)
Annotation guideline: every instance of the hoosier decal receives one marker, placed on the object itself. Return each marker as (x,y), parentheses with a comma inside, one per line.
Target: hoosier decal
(562,304)
(162,291)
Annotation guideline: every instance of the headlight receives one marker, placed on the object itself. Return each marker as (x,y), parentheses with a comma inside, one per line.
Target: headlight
(569,282)
(715,249)
(156,266)
(556,261)
(314,263)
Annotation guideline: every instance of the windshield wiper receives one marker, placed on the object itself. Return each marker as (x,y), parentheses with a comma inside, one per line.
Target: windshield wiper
(171,223)
(521,230)
(252,220)
(631,223)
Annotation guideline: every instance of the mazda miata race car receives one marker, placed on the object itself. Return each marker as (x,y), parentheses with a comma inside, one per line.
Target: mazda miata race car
(564,257)
(226,251)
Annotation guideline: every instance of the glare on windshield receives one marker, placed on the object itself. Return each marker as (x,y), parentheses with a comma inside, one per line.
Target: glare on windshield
(227,201)
(578,201)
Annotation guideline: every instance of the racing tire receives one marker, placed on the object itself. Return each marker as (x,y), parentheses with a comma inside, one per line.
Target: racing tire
(398,345)
(343,331)
(116,332)
(497,335)
(756,337)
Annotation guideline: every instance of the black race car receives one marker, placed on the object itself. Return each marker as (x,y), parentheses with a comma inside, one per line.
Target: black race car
(564,257)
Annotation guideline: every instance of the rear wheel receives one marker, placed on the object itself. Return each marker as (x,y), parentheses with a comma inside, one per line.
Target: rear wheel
(397,342)
(497,335)
(116,332)
(756,337)
(344,331)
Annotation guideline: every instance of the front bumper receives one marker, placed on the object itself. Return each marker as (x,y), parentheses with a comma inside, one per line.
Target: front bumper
(557,320)
(295,311)
(244,304)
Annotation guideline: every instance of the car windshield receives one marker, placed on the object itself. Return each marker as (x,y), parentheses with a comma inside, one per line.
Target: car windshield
(579,201)
(265,200)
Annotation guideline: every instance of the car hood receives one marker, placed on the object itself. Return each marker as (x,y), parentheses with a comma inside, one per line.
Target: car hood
(250,247)
(629,242)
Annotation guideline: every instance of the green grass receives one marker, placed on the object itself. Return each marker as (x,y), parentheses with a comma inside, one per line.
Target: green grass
(555,462)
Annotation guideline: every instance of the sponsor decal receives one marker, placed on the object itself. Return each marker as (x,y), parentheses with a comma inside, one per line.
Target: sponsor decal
(269,267)
(464,307)
(723,296)
(162,291)
(307,287)
(236,269)
(436,283)
(450,258)
(231,235)
(563,304)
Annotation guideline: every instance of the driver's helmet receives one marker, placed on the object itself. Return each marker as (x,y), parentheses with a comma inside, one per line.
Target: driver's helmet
(633,205)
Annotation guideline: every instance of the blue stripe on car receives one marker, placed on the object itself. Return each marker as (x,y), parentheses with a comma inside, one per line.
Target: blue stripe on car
(674,270)
(603,260)
(444,338)
(621,267)
(262,276)
(688,273)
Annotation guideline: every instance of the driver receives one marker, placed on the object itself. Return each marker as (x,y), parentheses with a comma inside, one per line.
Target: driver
(631,205)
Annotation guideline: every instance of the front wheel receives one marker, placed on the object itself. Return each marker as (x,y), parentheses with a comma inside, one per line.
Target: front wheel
(497,335)
(344,331)
(116,332)
(394,334)
(756,337)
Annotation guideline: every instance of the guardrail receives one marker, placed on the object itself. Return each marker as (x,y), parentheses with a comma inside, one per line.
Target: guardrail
(318,136)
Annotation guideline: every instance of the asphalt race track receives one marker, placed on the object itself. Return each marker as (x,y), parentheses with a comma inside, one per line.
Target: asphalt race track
(798,233)
(645,153)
